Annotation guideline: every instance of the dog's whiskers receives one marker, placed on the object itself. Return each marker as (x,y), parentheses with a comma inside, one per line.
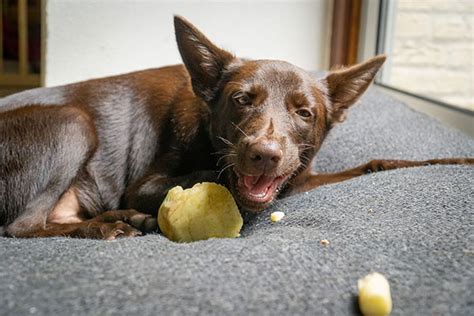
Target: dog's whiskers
(224,168)
(232,154)
(223,151)
(225,141)
(238,128)
(305,160)
(305,145)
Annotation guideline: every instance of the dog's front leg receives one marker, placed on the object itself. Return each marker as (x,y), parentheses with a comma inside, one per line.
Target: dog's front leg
(309,180)
(148,193)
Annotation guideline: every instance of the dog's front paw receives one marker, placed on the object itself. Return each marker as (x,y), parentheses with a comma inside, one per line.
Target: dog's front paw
(143,222)
(119,229)
(99,230)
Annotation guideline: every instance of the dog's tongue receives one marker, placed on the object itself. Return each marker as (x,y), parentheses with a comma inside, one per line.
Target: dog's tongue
(258,185)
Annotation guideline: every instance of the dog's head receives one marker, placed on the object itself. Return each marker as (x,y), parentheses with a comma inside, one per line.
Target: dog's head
(269,117)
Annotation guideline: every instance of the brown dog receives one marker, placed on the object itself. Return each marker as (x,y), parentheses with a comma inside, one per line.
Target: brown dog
(71,156)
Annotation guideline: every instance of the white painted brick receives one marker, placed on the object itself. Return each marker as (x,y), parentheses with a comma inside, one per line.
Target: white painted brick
(433,49)
(417,52)
(460,55)
(453,26)
(414,5)
(463,6)
(433,53)
(412,25)
(431,82)
(444,6)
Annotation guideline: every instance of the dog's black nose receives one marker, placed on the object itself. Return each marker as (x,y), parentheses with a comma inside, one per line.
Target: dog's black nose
(264,155)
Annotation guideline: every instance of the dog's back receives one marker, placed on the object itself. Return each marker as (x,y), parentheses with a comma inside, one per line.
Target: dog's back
(127,112)
(136,118)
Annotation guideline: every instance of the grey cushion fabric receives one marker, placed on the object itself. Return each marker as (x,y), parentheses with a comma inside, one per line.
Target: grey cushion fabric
(413,225)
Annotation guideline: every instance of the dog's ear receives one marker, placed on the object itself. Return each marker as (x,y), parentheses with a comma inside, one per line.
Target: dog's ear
(204,61)
(346,85)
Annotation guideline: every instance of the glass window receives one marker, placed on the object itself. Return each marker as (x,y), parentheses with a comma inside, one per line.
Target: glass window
(430,44)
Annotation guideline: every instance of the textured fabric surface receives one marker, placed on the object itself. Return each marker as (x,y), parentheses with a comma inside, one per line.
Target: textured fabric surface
(413,225)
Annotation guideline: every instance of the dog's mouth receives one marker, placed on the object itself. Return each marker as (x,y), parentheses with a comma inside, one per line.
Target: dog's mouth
(256,192)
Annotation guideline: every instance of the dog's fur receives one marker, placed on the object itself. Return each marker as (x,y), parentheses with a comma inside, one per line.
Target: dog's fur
(71,157)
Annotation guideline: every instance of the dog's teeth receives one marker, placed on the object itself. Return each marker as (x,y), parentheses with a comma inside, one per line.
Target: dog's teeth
(259,195)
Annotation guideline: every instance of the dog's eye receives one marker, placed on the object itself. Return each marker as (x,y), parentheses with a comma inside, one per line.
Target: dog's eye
(242,98)
(304,113)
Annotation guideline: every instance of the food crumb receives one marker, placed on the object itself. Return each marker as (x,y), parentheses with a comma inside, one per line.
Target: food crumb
(276,216)
(324,242)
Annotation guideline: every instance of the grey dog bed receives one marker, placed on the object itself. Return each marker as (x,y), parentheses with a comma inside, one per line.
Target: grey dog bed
(413,225)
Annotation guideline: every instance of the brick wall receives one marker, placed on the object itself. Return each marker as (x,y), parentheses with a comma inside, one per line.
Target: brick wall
(433,49)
